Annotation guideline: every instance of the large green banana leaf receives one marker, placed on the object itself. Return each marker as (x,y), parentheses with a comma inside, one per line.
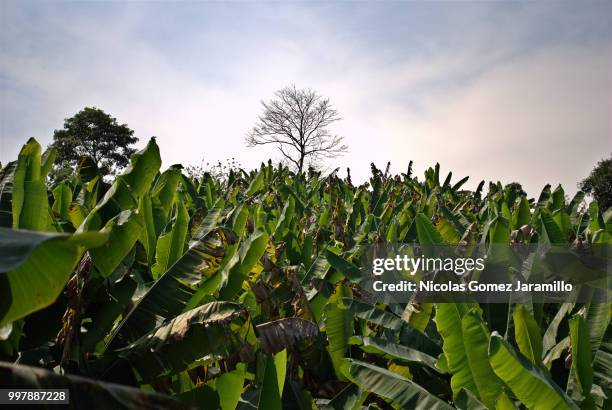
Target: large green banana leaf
(148,234)
(528,382)
(390,350)
(339,327)
(163,194)
(170,246)
(124,230)
(449,324)
(30,207)
(401,391)
(344,267)
(273,382)
(373,314)
(426,231)
(127,189)
(582,368)
(407,334)
(249,254)
(62,196)
(229,386)
(34,267)
(550,336)
(172,291)
(476,342)
(117,211)
(527,334)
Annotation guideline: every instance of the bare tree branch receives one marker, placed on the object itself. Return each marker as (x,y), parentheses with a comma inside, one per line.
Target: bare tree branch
(297,121)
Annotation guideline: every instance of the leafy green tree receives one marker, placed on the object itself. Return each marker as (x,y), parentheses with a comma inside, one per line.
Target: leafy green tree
(516,188)
(94,133)
(599,183)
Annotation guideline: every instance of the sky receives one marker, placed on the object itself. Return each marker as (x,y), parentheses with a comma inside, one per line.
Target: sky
(500,91)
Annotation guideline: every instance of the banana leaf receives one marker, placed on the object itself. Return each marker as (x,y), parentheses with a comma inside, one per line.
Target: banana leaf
(528,382)
(34,267)
(198,336)
(401,391)
(172,291)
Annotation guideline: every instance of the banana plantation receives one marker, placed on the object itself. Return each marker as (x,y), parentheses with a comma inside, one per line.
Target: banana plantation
(158,290)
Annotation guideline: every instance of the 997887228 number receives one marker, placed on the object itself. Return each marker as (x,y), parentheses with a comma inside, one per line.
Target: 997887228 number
(40,396)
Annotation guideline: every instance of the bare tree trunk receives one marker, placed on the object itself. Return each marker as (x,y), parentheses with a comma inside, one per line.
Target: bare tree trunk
(302,149)
(301,166)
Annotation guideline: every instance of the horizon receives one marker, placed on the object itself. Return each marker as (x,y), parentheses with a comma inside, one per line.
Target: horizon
(493,91)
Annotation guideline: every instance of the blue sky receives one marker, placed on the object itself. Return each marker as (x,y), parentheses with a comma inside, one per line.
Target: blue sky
(495,90)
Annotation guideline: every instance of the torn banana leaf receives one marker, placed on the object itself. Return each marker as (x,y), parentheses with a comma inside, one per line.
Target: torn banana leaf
(201,335)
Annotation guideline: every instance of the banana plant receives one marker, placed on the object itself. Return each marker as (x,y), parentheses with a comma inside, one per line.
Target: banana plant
(246,291)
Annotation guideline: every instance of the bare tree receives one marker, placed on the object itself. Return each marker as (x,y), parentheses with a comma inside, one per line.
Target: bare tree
(297,121)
